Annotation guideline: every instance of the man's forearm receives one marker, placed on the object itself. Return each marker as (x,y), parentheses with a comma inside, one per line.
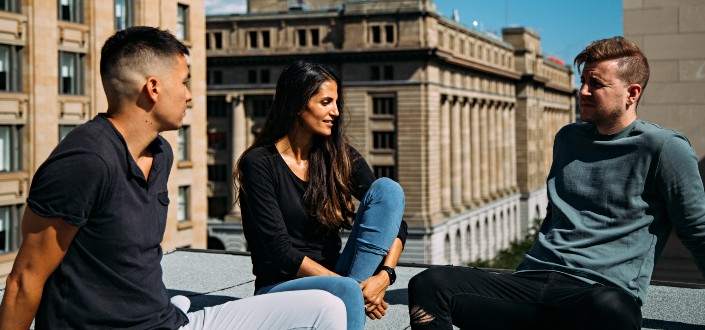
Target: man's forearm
(19,303)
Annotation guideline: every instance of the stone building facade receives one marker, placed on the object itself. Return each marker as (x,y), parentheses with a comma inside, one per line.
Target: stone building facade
(50,82)
(463,120)
(672,35)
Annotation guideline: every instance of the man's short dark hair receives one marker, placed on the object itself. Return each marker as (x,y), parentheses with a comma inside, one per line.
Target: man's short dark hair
(633,66)
(138,45)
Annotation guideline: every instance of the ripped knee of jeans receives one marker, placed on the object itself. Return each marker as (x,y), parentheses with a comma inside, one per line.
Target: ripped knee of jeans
(418,315)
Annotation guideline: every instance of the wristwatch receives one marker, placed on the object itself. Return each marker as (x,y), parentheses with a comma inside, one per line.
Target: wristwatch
(391,272)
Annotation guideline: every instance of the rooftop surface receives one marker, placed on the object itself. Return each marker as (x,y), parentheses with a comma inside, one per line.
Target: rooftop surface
(210,278)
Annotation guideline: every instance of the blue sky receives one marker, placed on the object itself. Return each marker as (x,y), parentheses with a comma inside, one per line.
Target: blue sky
(565,26)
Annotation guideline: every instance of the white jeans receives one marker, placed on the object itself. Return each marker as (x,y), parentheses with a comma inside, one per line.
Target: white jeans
(307,309)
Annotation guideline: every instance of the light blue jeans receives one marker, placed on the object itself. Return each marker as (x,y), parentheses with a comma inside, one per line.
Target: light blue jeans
(375,229)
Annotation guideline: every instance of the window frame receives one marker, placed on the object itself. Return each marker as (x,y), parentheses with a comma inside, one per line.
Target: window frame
(11,153)
(11,235)
(128,14)
(75,12)
(77,84)
(183,141)
(13,76)
(183,209)
(182,21)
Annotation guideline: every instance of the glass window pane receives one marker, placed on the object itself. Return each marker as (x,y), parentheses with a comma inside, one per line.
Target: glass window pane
(64,130)
(181,22)
(120,17)
(5,228)
(183,143)
(182,212)
(5,68)
(5,148)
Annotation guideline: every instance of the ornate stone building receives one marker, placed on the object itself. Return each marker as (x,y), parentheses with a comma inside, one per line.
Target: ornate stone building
(50,82)
(462,119)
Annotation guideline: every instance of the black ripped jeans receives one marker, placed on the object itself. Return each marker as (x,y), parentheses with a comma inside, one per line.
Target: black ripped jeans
(471,298)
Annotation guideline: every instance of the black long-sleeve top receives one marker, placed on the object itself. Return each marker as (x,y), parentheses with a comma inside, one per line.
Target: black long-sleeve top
(278,230)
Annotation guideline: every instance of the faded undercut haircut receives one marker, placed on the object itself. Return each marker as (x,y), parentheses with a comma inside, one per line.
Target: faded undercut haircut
(131,55)
(633,66)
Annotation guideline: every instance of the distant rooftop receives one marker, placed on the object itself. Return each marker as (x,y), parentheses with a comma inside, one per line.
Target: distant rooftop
(214,277)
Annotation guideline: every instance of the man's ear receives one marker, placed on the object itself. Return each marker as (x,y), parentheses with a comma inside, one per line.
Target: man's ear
(633,93)
(153,88)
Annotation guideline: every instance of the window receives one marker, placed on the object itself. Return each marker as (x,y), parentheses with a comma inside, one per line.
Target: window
(253,39)
(384,106)
(388,72)
(218,36)
(315,37)
(384,140)
(182,22)
(389,33)
(182,213)
(71,10)
(218,172)
(376,35)
(216,107)
(124,12)
(10,5)
(252,76)
(64,130)
(260,106)
(265,39)
(385,172)
(9,228)
(10,148)
(264,76)
(217,77)
(217,140)
(301,33)
(10,68)
(183,139)
(70,73)
(385,72)
(374,73)
(382,34)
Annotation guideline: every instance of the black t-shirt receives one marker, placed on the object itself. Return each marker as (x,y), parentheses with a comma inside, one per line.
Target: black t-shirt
(111,276)
(278,230)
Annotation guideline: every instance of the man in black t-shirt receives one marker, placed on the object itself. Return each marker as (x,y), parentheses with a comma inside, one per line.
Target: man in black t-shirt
(96,214)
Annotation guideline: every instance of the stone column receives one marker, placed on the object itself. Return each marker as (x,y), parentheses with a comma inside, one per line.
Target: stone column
(492,140)
(513,147)
(456,161)
(475,151)
(508,144)
(466,153)
(499,112)
(484,153)
(446,177)
(238,138)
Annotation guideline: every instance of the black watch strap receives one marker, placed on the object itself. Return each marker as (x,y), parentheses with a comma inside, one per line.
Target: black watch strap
(391,272)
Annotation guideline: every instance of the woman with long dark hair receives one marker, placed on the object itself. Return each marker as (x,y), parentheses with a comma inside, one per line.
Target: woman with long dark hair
(296,185)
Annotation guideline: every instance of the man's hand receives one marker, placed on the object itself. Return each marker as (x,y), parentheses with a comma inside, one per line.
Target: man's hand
(373,290)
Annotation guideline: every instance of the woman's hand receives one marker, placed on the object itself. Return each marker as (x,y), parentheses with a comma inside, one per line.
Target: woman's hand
(373,290)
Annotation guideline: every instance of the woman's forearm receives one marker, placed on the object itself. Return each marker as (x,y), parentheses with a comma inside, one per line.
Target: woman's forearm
(311,268)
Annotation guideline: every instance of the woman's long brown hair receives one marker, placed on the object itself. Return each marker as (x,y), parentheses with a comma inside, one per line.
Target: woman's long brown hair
(328,197)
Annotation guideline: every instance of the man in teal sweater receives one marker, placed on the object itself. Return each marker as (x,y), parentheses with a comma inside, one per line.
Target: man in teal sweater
(616,188)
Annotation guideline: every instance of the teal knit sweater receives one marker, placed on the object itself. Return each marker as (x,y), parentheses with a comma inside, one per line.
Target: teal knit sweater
(613,200)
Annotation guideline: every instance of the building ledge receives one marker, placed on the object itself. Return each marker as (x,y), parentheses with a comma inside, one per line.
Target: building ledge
(212,277)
